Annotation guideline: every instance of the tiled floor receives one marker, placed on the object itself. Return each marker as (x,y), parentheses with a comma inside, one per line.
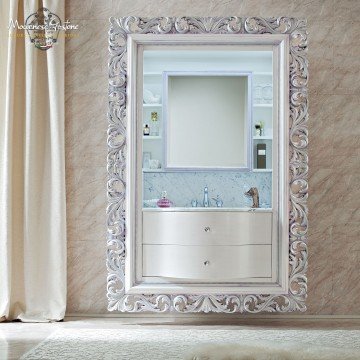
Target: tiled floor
(17,338)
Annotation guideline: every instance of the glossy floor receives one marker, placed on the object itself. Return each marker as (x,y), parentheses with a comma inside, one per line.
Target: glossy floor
(17,338)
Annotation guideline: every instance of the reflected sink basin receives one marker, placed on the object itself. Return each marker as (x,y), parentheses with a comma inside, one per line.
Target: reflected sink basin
(244,209)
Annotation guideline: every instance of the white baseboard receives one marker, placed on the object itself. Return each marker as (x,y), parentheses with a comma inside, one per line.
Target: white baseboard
(211,317)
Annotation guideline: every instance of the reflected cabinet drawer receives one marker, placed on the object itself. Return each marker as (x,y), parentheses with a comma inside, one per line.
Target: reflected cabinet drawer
(216,263)
(207,228)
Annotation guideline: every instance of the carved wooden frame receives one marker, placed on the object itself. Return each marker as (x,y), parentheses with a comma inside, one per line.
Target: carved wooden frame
(294,300)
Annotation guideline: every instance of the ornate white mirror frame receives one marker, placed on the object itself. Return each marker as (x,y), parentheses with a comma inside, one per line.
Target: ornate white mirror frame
(121,32)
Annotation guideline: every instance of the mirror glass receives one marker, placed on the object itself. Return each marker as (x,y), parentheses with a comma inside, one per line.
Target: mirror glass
(206,121)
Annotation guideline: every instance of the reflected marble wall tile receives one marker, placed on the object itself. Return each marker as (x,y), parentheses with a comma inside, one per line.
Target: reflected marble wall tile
(182,188)
(86,280)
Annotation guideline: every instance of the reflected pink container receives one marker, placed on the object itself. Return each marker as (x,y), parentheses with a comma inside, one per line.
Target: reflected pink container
(164,202)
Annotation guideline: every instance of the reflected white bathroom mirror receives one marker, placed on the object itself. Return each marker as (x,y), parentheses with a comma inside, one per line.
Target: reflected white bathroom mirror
(207,120)
(203,98)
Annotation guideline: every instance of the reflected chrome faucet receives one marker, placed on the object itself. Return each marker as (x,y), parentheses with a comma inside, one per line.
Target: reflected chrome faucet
(254,193)
(218,201)
(206,201)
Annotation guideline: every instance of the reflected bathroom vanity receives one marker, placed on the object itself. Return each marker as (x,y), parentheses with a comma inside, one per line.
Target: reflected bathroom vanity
(205,245)
(203,218)
(203,155)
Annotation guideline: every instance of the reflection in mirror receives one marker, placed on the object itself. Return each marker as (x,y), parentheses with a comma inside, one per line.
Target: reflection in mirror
(207,123)
(206,120)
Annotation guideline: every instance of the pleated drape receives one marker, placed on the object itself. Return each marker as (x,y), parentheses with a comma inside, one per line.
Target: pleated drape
(32,171)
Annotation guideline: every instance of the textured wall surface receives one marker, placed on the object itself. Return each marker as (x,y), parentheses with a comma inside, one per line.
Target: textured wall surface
(334,202)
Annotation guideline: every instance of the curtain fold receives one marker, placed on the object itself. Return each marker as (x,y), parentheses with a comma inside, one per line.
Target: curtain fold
(32,171)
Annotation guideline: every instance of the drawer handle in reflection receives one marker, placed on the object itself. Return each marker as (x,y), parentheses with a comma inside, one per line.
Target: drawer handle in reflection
(207,229)
(207,263)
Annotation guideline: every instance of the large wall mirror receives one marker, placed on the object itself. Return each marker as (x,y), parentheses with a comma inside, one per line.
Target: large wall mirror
(207,165)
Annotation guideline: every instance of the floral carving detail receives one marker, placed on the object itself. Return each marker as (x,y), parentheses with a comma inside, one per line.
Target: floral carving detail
(298,166)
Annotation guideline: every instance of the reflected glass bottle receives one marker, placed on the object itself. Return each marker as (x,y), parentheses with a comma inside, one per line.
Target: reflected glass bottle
(146,130)
(267,93)
(257,94)
(154,128)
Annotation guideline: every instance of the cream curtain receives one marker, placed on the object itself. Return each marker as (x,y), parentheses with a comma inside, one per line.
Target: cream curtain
(32,172)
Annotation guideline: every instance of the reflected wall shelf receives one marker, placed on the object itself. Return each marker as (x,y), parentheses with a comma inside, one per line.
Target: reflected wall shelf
(149,137)
(152,105)
(262,137)
(152,73)
(262,73)
(262,170)
(263,105)
(152,170)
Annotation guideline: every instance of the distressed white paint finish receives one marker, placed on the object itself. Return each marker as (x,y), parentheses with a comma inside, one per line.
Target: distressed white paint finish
(216,263)
(206,227)
(288,35)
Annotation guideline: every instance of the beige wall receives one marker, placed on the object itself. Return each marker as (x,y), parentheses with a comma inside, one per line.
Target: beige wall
(334,131)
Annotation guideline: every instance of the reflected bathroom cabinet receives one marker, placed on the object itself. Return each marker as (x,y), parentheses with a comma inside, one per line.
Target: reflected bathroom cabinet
(201,215)
(213,83)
